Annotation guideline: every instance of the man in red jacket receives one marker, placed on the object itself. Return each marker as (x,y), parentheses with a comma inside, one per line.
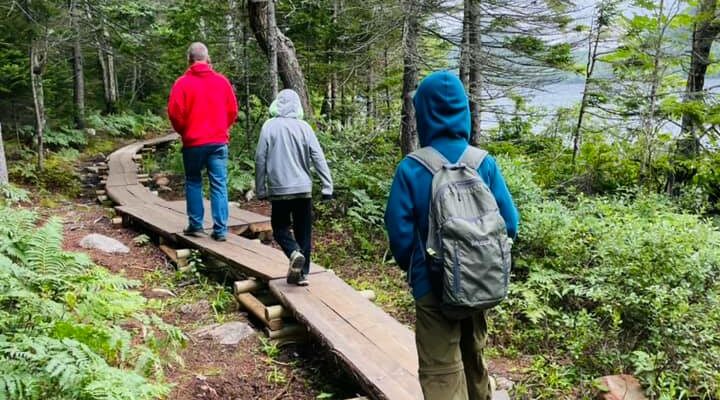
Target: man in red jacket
(202,108)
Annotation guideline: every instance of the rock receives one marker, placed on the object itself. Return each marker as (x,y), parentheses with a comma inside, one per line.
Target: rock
(230,333)
(103,243)
(201,307)
(162,181)
(249,195)
(90,131)
(500,395)
(621,387)
(504,383)
(161,293)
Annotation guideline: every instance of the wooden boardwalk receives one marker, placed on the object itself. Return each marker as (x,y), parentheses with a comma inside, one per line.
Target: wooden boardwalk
(378,351)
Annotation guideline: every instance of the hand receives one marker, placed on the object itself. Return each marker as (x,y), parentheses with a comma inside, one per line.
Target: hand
(327,197)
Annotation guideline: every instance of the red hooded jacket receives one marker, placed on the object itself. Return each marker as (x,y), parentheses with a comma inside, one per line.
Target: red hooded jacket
(202,106)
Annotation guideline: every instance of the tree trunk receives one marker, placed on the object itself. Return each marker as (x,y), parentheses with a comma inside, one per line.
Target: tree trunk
(3,163)
(78,74)
(465,45)
(649,118)
(107,68)
(112,95)
(246,80)
(288,66)
(408,135)
(134,81)
(593,42)
(370,100)
(386,72)
(475,73)
(272,47)
(706,30)
(38,58)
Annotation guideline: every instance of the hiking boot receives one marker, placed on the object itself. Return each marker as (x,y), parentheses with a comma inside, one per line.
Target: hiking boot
(303,281)
(194,232)
(297,261)
(218,237)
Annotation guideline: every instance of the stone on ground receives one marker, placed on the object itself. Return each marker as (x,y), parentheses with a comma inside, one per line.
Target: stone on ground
(162,180)
(621,387)
(230,333)
(103,243)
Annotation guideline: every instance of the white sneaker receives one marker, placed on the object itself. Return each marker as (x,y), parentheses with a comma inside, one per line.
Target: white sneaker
(297,261)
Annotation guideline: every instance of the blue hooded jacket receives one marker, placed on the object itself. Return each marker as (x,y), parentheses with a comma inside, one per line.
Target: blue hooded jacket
(443,122)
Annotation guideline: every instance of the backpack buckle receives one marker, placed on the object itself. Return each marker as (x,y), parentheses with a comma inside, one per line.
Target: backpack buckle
(454,167)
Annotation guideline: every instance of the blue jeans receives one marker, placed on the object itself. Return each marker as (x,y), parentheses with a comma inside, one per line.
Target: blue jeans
(213,157)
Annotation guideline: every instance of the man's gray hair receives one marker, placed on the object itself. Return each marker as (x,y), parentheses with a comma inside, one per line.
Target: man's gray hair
(197,52)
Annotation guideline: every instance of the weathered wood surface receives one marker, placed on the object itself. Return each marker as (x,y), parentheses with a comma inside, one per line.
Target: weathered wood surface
(378,350)
(249,256)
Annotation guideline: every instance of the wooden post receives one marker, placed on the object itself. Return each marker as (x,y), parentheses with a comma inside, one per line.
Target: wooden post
(277,311)
(179,257)
(249,285)
(287,331)
(256,308)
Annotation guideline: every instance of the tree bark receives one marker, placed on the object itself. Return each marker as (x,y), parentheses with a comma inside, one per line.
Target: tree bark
(408,125)
(465,45)
(705,32)
(78,74)
(370,100)
(112,95)
(272,47)
(246,80)
(3,163)
(288,66)
(38,58)
(593,43)
(475,73)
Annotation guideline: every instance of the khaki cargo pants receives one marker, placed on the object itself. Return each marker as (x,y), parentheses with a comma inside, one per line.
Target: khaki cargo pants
(450,354)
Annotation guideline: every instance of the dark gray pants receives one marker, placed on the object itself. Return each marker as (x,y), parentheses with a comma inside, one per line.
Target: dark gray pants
(295,214)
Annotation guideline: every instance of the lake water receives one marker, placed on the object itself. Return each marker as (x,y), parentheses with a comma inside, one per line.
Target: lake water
(568,94)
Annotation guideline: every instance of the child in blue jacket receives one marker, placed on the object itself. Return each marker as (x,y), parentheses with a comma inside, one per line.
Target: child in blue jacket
(449,352)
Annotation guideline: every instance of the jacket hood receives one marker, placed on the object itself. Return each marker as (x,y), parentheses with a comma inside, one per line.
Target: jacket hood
(200,69)
(287,105)
(441,108)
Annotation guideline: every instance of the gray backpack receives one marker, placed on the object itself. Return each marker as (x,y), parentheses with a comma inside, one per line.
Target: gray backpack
(467,237)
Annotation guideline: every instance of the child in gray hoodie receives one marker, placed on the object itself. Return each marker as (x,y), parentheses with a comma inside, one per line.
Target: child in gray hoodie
(285,152)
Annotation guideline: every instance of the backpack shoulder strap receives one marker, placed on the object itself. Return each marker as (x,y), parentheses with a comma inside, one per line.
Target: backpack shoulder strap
(429,158)
(473,157)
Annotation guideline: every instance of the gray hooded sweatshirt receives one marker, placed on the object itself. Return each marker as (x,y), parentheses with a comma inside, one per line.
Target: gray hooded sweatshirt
(286,150)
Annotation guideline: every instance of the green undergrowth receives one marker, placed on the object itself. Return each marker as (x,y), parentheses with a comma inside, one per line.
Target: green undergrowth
(612,284)
(71,329)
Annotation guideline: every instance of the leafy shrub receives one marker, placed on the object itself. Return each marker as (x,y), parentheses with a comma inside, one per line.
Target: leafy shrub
(65,137)
(58,173)
(127,125)
(616,284)
(10,195)
(65,324)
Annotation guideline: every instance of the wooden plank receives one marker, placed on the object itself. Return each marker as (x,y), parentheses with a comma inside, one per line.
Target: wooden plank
(158,219)
(378,350)
(235,224)
(265,265)
(120,195)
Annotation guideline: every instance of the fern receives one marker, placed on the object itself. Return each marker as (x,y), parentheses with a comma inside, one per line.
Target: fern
(62,320)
